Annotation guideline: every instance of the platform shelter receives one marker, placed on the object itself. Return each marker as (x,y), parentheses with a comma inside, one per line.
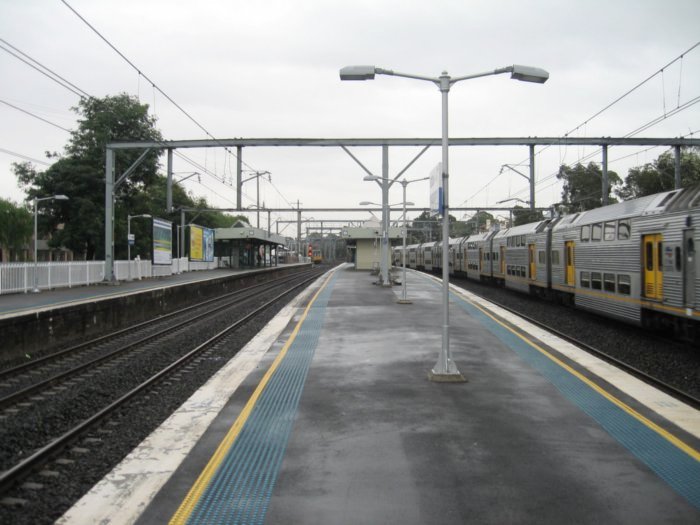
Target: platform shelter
(364,244)
(243,246)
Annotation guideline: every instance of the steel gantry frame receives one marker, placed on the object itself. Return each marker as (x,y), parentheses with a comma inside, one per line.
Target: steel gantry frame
(239,143)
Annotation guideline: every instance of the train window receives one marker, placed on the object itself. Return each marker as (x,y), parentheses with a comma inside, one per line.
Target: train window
(609,282)
(596,231)
(623,284)
(649,255)
(585,279)
(555,257)
(495,256)
(522,240)
(523,272)
(585,233)
(678,258)
(609,231)
(595,281)
(624,228)
(541,257)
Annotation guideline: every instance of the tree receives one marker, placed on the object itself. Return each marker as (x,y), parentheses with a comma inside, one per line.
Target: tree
(660,175)
(525,215)
(426,228)
(16,225)
(479,222)
(79,173)
(583,186)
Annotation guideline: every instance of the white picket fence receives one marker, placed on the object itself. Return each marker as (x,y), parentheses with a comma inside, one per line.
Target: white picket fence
(20,277)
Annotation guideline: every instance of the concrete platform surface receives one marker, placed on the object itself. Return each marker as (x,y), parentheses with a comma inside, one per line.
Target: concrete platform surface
(364,437)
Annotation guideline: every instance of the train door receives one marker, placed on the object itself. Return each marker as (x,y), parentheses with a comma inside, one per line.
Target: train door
(533,268)
(481,258)
(502,255)
(653,275)
(689,267)
(570,269)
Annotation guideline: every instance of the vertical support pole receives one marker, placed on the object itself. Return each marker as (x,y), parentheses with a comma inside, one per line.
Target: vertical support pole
(182,233)
(445,369)
(299,228)
(269,226)
(239,175)
(109,215)
(257,200)
(532,177)
(677,173)
(605,190)
(383,253)
(169,187)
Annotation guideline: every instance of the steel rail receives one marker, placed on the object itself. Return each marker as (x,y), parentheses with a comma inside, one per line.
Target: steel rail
(9,372)
(10,477)
(15,397)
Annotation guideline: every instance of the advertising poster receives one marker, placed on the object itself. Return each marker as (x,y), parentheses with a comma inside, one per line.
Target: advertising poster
(196,242)
(162,241)
(208,240)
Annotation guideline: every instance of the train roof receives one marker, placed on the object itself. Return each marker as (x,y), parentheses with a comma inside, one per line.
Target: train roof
(668,201)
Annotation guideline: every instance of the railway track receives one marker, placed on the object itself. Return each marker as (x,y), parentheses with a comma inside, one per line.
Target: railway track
(649,377)
(18,465)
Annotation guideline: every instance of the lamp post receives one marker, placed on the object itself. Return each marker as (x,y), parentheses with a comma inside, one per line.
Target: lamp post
(128,237)
(36,201)
(445,369)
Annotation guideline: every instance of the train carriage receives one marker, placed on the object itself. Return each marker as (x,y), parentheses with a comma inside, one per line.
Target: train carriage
(427,251)
(524,260)
(497,255)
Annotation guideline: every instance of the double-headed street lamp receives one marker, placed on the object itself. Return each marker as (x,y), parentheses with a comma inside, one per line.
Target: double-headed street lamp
(445,369)
(36,201)
(128,237)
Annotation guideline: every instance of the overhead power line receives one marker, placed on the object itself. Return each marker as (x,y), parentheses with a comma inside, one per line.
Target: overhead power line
(33,115)
(41,68)
(25,157)
(155,86)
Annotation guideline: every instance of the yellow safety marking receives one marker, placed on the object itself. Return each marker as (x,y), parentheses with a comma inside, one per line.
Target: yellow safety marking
(653,426)
(187,506)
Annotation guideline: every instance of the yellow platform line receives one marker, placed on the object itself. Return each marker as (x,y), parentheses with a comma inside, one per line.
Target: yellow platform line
(195,493)
(639,417)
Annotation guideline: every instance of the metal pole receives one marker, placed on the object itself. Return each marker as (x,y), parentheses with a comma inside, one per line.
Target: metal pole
(269,226)
(604,189)
(109,217)
(182,234)
(36,278)
(532,177)
(257,200)
(445,369)
(677,177)
(169,187)
(128,242)
(239,173)
(385,217)
(404,300)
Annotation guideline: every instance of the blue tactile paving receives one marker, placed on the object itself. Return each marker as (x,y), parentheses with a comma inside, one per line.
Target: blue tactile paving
(680,470)
(240,490)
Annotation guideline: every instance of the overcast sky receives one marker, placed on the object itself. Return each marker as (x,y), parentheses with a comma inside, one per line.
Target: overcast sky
(268,69)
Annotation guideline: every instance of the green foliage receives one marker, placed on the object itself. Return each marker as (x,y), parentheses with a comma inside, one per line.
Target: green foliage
(525,215)
(583,186)
(478,222)
(659,175)
(79,174)
(16,225)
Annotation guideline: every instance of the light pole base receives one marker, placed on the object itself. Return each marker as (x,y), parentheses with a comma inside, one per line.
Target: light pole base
(404,301)
(446,378)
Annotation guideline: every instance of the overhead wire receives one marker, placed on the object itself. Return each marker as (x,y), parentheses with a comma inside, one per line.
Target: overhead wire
(35,116)
(155,86)
(41,68)
(25,157)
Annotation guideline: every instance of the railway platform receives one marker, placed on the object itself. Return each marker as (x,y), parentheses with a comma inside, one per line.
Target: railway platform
(328,416)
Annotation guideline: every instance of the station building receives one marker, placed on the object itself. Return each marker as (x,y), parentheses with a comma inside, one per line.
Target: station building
(364,244)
